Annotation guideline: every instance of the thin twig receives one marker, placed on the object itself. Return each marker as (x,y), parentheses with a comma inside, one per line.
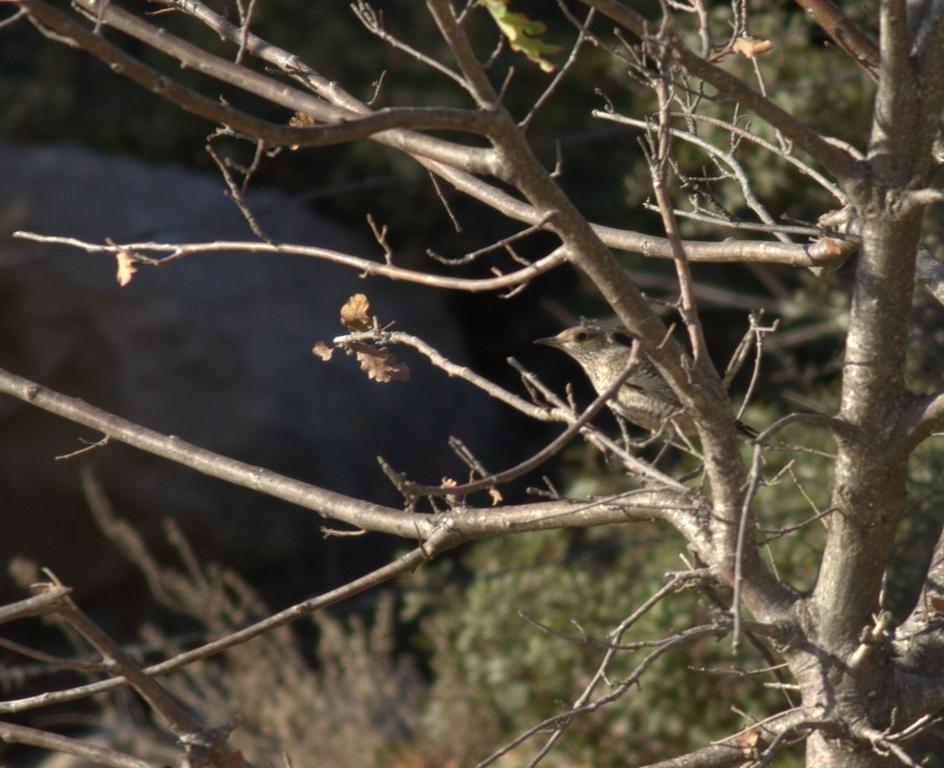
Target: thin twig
(88,753)
(658,168)
(365,266)
(373,22)
(442,539)
(236,195)
(550,449)
(684,636)
(561,73)
(753,481)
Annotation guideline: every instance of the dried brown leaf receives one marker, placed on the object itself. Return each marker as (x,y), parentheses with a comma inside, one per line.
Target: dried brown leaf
(354,315)
(127,266)
(322,350)
(380,364)
(749,47)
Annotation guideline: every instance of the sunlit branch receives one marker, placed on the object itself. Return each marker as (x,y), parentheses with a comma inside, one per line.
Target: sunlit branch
(366,267)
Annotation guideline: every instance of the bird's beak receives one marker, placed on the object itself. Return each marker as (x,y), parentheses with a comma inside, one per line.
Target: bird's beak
(550,341)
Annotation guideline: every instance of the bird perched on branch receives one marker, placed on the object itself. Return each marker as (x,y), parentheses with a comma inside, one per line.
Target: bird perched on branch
(645,398)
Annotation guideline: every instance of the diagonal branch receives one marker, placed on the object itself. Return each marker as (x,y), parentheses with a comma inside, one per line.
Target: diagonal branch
(918,639)
(617,690)
(727,158)
(446,534)
(698,388)
(93,753)
(922,417)
(835,159)
(38,605)
(475,76)
(364,266)
(845,34)
(472,159)
(555,446)
(673,506)
(441,539)
(359,513)
(729,752)
(823,252)
(659,171)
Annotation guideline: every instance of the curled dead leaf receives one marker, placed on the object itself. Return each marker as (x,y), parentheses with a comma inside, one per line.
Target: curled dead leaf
(354,315)
(749,47)
(127,266)
(380,364)
(322,350)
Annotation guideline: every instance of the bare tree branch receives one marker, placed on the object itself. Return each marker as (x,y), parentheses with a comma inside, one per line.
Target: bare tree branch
(21,734)
(443,538)
(469,158)
(727,753)
(355,512)
(45,602)
(865,688)
(552,448)
(365,266)
(617,691)
(823,252)
(845,33)
(835,160)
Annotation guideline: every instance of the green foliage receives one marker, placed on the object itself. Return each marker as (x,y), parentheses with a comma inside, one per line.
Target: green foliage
(498,673)
(522,33)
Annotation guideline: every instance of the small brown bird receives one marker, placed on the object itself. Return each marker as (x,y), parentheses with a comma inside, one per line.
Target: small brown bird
(645,399)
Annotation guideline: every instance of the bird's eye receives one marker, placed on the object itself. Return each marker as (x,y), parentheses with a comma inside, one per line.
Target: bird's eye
(623,339)
(581,336)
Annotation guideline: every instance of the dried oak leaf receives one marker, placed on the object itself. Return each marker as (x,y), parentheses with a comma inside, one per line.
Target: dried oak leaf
(127,266)
(749,47)
(322,350)
(354,315)
(380,364)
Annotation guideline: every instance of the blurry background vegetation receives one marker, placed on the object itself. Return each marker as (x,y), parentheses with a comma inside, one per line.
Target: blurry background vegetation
(470,671)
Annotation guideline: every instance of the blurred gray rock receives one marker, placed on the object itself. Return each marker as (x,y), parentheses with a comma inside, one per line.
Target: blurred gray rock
(215,349)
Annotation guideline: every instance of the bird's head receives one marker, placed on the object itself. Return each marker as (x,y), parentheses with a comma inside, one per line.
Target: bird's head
(589,341)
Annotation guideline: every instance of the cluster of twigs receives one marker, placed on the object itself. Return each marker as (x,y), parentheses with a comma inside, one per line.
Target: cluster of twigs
(492,162)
